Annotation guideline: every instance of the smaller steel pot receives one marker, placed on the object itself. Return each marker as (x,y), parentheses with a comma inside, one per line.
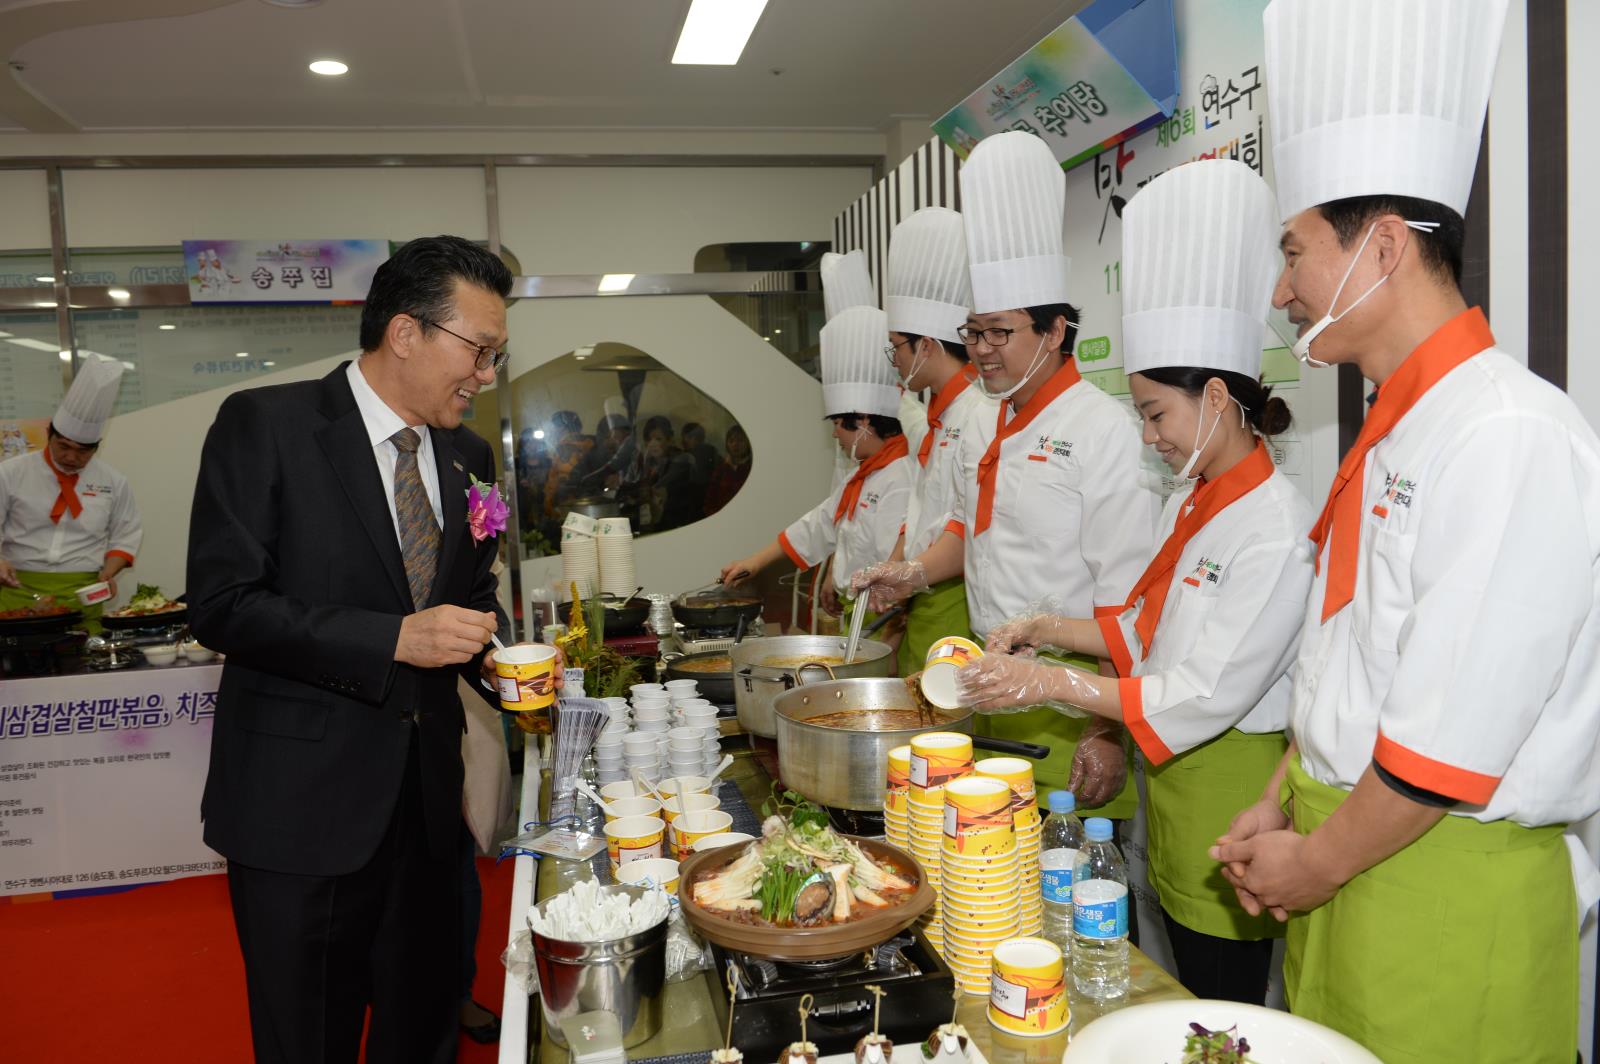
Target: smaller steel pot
(757,686)
(716,686)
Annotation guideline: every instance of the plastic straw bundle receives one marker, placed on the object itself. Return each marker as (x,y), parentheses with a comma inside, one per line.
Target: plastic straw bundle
(576,724)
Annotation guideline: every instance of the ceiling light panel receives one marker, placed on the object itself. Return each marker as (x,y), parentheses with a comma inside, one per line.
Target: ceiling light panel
(715,31)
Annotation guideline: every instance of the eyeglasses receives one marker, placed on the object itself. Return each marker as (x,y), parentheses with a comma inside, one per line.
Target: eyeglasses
(995,337)
(889,349)
(487,356)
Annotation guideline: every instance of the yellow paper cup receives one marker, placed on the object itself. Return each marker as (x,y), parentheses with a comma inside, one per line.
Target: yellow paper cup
(622,789)
(937,758)
(655,871)
(981,927)
(1028,994)
(634,838)
(691,827)
(678,805)
(977,817)
(622,807)
(526,676)
(945,658)
(1018,775)
(899,780)
(691,785)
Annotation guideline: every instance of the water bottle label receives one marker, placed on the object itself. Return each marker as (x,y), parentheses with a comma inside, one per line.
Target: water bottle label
(1100,910)
(1055,874)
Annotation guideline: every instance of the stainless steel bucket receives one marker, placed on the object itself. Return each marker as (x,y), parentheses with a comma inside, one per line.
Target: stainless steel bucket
(756,686)
(624,976)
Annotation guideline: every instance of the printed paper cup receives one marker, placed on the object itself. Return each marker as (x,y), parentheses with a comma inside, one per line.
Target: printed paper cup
(937,758)
(634,838)
(688,784)
(689,828)
(982,928)
(1018,774)
(1028,993)
(625,807)
(977,817)
(526,677)
(653,872)
(899,780)
(725,838)
(944,659)
(621,789)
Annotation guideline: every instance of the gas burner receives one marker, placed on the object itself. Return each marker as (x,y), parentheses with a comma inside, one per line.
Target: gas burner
(917,984)
(864,823)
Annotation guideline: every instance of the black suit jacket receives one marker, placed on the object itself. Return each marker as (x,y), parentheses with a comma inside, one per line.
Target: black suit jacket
(295,574)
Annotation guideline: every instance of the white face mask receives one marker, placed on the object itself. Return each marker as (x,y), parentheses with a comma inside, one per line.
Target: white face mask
(1038,360)
(1194,455)
(916,367)
(856,443)
(1302,346)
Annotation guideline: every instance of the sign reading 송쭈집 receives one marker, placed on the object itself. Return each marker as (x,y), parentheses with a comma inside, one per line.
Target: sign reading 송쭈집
(1105,74)
(281,271)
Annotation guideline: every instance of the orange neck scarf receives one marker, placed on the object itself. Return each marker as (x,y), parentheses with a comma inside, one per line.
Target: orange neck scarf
(1206,501)
(67,502)
(1460,338)
(1006,427)
(941,402)
(893,450)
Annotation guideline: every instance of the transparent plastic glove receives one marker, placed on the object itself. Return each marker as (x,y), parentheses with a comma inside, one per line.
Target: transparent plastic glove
(1024,633)
(1008,683)
(1099,764)
(887,583)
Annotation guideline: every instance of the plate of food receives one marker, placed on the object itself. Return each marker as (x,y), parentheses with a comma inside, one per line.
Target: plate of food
(148,608)
(45,617)
(1210,1032)
(802,891)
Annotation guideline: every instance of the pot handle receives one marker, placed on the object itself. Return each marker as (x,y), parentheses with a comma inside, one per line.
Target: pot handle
(1011,746)
(800,670)
(670,656)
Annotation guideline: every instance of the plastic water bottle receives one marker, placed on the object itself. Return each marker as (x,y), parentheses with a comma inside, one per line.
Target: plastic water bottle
(1058,852)
(1100,915)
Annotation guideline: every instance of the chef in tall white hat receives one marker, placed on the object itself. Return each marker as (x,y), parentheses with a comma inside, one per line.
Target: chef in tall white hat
(1059,508)
(67,519)
(1205,637)
(926,296)
(859,522)
(1446,696)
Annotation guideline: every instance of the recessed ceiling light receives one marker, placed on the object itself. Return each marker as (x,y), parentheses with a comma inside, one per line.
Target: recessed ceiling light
(292,3)
(269,363)
(538,434)
(777,332)
(117,293)
(44,279)
(715,31)
(330,68)
(242,354)
(45,304)
(66,356)
(166,326)
(615,282)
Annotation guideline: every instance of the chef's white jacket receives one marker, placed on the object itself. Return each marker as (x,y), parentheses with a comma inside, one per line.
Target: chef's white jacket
(1229,627)
(855,541)
(1074,515)
(31,542)
(1468,662)
(936,493)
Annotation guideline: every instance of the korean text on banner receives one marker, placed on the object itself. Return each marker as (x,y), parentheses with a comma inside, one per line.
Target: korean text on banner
(1106,74)
(281,271)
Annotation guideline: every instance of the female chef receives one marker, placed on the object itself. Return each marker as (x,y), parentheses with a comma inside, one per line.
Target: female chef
(859,522)
(1059,506)
(1205,637)
(926,300)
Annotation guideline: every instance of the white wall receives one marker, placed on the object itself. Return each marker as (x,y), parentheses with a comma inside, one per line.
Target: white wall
(24,209)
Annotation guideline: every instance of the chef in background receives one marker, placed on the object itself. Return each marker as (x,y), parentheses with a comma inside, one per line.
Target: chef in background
(859,522)
(67,519)
(926,297)
(1445,703)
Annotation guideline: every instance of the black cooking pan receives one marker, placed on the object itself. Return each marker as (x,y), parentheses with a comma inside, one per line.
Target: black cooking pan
(623,617)
(39,624)
(715,608)
(163,619)
(716,686)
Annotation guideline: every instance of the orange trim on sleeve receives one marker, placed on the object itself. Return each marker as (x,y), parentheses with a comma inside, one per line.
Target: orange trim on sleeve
(794,555)
(1130,692)
(1108,611)
(124,555)
(956,526)
(1121,657)
(1420,771)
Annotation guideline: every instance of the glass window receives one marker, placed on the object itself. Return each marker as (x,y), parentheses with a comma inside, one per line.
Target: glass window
(609,431)
(789,321)
(30,367)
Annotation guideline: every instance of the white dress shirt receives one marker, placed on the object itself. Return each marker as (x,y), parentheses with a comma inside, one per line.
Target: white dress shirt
(381,423)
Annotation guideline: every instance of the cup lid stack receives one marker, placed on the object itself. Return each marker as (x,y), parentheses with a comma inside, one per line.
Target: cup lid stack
(614,550)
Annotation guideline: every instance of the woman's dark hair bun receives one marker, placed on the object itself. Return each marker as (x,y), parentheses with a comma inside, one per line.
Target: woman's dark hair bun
(1275,417)
(1266,413)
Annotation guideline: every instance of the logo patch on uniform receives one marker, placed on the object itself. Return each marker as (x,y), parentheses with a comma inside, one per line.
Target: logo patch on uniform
(1398,491)
(1047,448)
(869,499)
(1205,572)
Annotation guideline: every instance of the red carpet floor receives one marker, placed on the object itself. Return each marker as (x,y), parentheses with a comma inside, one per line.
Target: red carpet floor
(153,975)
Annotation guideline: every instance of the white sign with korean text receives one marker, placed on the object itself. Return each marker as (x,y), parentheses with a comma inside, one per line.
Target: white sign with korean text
(100,778)
(281,271)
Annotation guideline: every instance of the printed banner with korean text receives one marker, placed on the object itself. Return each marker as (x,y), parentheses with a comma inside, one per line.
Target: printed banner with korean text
(100,778)
(281,271)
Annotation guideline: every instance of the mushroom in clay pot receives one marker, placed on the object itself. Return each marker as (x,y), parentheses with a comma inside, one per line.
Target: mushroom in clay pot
(874,1048)
(801,1052)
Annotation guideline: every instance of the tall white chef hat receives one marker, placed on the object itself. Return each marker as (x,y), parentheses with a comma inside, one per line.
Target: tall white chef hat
(1199,259)
(856,375)
(846,283)
(927,292)
(83,413)
(1012,193)
(1378,97)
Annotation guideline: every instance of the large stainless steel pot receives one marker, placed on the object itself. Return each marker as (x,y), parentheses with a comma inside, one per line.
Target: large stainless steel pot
(847,769)
(756,686)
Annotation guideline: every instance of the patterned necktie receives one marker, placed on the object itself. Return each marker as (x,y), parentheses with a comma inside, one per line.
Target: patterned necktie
(419,532)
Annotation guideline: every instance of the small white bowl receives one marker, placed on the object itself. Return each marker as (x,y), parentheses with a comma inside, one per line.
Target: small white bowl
(160,655)
(197,654)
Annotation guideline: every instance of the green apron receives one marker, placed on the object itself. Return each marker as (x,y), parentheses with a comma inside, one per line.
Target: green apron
(930,617)
(1192,800)
(1060,733)
(64,586)
(1461,947)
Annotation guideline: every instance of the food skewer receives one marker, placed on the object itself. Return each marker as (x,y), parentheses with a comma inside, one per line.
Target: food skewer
(874,1048)
(801,1052)
(727,1054)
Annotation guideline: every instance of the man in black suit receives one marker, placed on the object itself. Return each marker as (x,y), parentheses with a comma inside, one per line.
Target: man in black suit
(330,560)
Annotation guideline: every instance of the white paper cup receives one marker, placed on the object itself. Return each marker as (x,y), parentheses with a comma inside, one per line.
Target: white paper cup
(621,789)
(726,838)
(690,784)
(638,743)
(642,688)
(653,727)
(652,872)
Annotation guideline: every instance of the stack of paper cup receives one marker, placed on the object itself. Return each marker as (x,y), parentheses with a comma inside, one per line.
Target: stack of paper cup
(614,548)
(936,759)
(896,825)
(1028,989)
(608,754)
(1018,775)
(640,753)
(978,877)
(580,558)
